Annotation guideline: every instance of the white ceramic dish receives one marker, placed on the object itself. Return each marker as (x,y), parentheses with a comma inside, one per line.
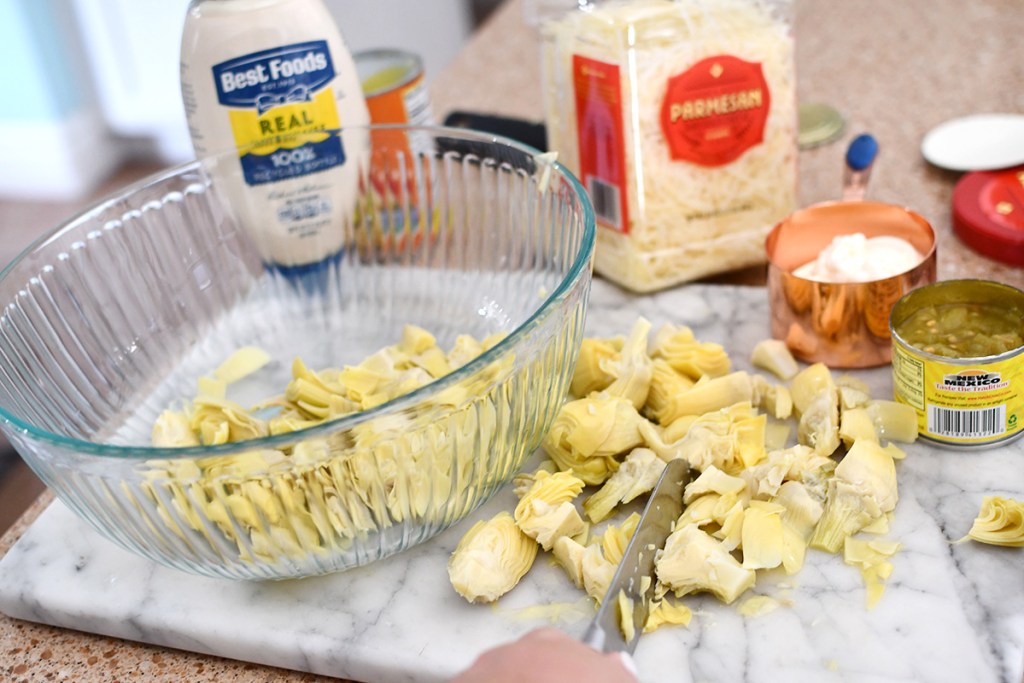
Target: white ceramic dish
(980,142)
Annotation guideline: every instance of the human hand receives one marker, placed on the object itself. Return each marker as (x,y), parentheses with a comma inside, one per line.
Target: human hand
(548,655)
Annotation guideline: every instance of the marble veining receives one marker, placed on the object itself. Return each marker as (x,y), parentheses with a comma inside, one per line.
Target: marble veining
(951,611)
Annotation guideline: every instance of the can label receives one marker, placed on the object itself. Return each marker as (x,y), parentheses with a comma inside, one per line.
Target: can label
(957,403)
(275,95)
(715,111)
(405,102)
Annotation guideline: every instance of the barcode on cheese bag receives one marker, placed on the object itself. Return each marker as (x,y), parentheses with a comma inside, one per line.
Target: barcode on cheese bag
(967,423)
(605,198)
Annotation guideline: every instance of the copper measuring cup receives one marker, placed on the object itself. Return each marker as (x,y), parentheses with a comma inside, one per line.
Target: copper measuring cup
(842,324)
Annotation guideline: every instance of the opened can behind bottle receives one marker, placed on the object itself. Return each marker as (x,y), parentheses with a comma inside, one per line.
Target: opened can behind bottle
(396,93)
(275,80)
(395,88)
(958,360)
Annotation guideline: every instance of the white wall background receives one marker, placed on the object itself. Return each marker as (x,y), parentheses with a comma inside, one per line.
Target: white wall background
(130,52)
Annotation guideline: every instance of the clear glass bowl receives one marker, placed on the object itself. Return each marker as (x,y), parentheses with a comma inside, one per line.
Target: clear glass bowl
(114,316)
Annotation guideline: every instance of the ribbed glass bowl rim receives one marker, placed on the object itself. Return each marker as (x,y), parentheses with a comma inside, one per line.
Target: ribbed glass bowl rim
(578,268)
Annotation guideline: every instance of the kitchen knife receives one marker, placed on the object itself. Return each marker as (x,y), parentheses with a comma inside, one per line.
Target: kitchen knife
(663,508)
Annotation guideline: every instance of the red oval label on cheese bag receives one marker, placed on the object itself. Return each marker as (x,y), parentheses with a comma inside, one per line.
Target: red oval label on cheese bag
(715,111)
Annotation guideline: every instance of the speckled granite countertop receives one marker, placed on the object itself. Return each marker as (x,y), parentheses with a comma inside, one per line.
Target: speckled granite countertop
(894,69)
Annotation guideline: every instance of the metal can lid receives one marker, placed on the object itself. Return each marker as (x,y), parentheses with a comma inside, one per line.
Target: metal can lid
(383,70)
(819,124)
(988,213)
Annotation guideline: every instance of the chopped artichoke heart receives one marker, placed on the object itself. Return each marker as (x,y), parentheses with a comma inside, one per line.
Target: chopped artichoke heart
(794,549)
(490,559)
(702,511)
(589,433)
(849,381)
(568,553)
(774,399)
(615,538)
(172,429)
(758,605)
(637,475)
(705,397)
(212,388)
(808,384)
(762,539)
(666,382)
(546,523)
(894,451)
(667,612)
(731,531)
(871,557)
(869,467)
(678,428)
(590,374)
(465,349)
(878,527)
(318,495)
(597,572)
(522,482)
(625,608)
(642,401)
(856,423)
(894,421)
(775,357)
(692,358)
(851,397)
(862,490)
(819,422)
(222,421)
(1000,521)
(633,369)
(713,480)
(846,512)
(801,511)
(693,561)
(415,341)
(550,487)
(776,435)
(730,439)
(241,364)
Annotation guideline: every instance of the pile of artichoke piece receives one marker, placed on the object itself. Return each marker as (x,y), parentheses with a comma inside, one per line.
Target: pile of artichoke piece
(318,496)
(757,502)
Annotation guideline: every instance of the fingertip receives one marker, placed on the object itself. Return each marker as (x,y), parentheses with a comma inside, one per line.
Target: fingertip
(545,633)
(628,663)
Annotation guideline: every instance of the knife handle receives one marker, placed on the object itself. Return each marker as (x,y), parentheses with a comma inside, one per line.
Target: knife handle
(527,132)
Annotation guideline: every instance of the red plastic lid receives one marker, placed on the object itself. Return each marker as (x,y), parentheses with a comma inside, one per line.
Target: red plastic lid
(988,213)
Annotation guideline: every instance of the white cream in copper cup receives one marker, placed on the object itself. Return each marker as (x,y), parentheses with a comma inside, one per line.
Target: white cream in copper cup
(842,324)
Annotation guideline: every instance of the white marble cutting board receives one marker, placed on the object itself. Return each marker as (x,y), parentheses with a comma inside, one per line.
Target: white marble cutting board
(951,612)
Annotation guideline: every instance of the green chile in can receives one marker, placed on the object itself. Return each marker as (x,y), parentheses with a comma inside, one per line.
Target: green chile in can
(958,360)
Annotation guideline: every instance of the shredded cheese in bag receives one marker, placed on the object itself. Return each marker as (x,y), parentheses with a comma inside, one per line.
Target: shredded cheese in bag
(680,118)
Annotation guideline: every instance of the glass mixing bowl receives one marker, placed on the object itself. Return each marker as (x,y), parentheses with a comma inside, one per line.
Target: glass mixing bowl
(118,314)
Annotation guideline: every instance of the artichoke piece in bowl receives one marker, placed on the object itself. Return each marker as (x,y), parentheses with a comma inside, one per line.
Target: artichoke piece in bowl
(117,316)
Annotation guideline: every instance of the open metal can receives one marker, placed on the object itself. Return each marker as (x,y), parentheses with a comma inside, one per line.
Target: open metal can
(396,93)
(966,394)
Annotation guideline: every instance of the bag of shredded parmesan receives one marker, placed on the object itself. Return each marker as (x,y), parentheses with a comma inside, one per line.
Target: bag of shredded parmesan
(680,118)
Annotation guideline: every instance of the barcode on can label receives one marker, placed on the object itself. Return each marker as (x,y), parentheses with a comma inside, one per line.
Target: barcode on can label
(605,198)
(967,423)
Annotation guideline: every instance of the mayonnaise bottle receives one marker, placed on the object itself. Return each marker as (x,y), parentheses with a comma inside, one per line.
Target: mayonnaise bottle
(268,78)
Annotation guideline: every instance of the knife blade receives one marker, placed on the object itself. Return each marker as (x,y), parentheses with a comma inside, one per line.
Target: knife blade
(664,506)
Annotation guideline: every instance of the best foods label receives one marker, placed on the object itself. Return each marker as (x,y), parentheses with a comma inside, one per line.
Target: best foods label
(275,95)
